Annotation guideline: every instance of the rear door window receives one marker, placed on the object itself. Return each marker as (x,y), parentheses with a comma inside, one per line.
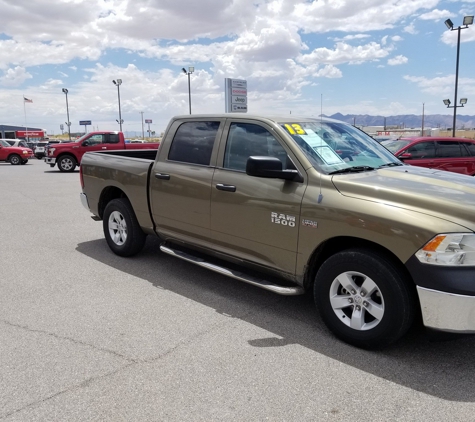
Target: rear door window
(193,142)
(448,149)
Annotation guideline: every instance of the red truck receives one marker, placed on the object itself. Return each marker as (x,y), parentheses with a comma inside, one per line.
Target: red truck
(68,155)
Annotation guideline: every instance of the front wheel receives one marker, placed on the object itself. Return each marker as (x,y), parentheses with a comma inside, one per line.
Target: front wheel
(67,163)
(363,298)
(15,159)
(121,228)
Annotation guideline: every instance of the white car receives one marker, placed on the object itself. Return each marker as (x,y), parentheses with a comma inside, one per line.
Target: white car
(17,143)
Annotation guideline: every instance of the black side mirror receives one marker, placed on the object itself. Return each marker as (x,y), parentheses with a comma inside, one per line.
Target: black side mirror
(270,167)
(85,143)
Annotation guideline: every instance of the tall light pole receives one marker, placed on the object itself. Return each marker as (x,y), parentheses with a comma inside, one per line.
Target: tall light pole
(118,83)
(143,134)
(467,20)
(191,69)
(67,111)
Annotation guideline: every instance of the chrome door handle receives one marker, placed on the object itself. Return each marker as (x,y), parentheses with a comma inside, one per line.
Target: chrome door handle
(227,188)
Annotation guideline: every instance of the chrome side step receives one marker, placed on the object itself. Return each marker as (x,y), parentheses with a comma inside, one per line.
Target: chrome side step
(263,284)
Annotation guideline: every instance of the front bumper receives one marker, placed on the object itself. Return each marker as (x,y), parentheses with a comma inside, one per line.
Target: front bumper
(50,160)
(446,295)
(447,311)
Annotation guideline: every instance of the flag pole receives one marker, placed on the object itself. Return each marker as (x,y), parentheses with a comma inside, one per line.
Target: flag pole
(26,125)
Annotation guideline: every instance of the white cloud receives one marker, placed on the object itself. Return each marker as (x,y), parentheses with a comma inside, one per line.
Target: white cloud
(396,38)
(345,53)
(397,60)
(410,29)
(443,85)
(436,15)
(14,77)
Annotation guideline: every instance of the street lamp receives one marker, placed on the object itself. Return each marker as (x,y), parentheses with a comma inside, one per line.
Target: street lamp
(191,69)
(67,110)
(118,83)
(467,20)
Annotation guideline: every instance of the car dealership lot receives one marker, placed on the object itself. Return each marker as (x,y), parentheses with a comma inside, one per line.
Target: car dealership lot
(87,335)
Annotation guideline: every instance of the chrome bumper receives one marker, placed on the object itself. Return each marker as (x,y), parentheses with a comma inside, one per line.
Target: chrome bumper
(84,202)
(50,160)
(447,311)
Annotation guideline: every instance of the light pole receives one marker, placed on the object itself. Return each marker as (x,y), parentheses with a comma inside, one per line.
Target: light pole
(191,69)
(467,20)
(143,134)
(118,83)
(67,111)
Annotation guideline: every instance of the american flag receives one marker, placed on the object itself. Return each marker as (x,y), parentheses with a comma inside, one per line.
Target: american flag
(27,100)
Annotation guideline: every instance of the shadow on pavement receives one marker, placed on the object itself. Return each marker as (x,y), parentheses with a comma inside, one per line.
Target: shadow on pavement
(442,366)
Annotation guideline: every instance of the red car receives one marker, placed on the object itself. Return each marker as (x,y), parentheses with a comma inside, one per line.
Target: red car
(451,154)
(14,155)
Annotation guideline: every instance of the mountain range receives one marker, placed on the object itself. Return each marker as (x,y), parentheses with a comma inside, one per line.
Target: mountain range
(442,121)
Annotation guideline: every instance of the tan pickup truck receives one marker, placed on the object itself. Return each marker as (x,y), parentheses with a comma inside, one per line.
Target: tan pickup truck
(297,205)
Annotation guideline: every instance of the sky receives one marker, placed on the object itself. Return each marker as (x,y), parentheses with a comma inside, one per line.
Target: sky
(300,57)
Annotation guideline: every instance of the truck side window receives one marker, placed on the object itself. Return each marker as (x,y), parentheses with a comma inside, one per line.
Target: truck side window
(422,150)
(193,142)
(246,140)
(112,138)
(94,140)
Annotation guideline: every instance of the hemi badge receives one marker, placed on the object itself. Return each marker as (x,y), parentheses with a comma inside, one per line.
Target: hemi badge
(310,223)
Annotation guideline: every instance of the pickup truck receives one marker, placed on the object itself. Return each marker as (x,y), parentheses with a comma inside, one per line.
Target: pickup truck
(296,205)
(14,155)
(68,155)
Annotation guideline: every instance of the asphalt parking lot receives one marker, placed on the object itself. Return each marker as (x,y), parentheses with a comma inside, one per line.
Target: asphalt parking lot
(88,336)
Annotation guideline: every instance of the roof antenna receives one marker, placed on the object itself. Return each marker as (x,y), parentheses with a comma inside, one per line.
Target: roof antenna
(320,196)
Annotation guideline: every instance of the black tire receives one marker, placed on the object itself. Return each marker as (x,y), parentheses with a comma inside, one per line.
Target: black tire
(121,228)
(373,321)
(15,159)
(24,161)
(67,163)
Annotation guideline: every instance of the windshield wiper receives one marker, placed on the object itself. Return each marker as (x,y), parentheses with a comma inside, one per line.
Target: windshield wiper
(355,169)
(391,165)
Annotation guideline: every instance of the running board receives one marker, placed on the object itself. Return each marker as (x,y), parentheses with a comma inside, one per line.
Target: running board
(263,284)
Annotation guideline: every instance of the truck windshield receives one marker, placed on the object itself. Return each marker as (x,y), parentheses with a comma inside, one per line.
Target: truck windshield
(336,147)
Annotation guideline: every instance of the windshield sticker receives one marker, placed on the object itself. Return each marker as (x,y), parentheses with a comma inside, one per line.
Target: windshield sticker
(295,129)
(326,154)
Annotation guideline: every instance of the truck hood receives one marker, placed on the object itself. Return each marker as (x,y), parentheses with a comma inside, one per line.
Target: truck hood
(442,194)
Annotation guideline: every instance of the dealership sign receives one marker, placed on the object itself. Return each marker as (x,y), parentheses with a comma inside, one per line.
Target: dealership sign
(235,94)
(30,134)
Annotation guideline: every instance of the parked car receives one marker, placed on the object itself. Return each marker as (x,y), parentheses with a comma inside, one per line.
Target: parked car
(18,143)
(14,155)
(40,149)
(450,154)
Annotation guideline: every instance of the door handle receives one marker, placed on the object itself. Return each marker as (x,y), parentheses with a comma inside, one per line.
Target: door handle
(104,147)
(227,188)
(162,176)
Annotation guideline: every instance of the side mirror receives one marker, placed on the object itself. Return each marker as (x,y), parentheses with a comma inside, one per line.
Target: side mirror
(271,168)
(85,143)
(405,156)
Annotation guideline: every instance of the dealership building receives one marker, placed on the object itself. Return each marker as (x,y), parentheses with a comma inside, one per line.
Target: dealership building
(22,132)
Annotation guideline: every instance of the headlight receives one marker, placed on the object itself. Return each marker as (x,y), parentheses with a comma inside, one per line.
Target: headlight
(50,151)
(25,152)
(452,249)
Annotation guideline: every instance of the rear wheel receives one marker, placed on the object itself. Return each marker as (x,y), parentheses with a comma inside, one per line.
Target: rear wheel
(364,298)
(67,163)
(121,228)
(15,159)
